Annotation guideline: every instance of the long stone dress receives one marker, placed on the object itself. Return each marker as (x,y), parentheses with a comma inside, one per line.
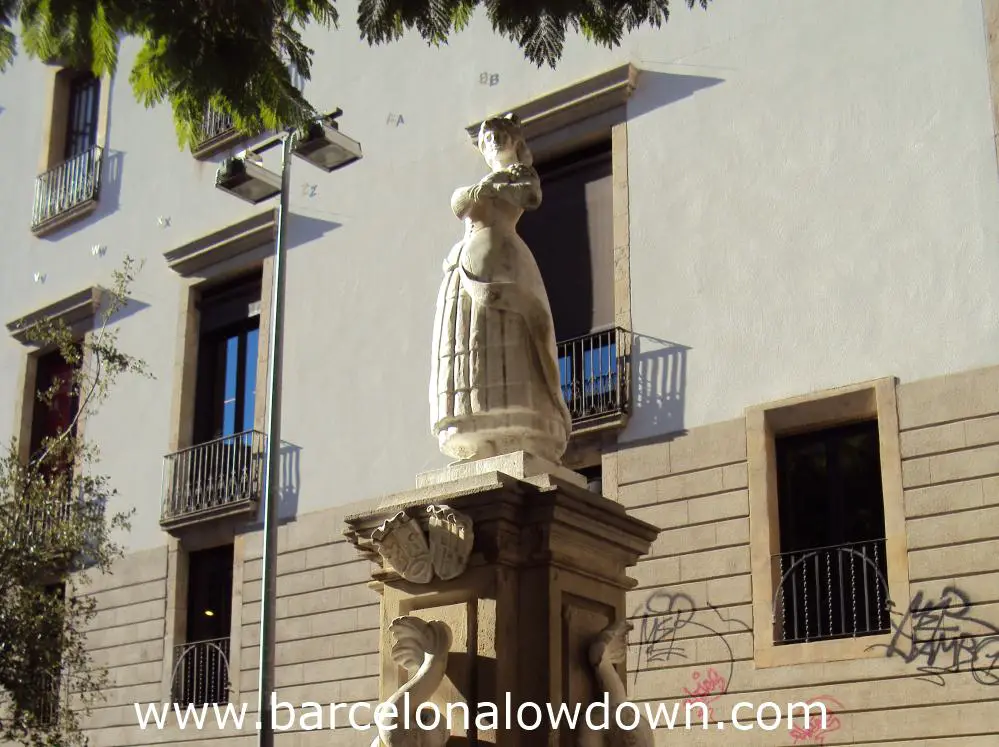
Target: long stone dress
(494,384)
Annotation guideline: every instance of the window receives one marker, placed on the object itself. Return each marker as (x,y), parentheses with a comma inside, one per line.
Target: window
(54,410)
(832,564)
(227,361)
(55,415)
(827,524)
(201,666)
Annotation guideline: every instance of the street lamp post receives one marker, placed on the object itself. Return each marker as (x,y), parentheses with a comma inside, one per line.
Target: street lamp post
(323,146)
(272,468)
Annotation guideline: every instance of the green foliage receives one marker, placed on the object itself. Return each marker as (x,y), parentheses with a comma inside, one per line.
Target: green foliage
(235,55)
(537,26)
(55,533)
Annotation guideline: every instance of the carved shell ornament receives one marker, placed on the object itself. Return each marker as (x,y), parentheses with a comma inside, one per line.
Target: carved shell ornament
(451,539)
(401,543)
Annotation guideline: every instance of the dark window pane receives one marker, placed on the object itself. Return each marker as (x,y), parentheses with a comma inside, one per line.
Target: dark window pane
(832,568)
(84,100)
(49,419)
(209,593)
(227,360)
(571,236)
(829,487)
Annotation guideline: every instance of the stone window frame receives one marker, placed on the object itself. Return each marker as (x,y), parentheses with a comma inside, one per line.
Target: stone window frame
(78,312)
(214,258)
(570,119)
(874,399)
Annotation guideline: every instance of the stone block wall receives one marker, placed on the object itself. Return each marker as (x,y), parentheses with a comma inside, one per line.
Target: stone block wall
(692,608)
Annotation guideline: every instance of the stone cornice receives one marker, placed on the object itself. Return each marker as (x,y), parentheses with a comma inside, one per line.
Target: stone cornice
(572,104)
(72,310)
(223,244)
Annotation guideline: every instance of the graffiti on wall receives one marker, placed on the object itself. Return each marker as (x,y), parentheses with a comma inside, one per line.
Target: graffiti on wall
(707,687)
(942,637)
(665,614)
(811,730)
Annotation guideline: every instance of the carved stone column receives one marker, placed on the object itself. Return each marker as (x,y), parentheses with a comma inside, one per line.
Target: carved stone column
(547,573)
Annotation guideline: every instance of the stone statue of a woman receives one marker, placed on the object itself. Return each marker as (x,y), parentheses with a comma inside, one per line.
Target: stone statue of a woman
(494,383)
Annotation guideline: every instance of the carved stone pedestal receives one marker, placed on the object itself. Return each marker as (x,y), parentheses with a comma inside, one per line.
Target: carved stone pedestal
(546,574)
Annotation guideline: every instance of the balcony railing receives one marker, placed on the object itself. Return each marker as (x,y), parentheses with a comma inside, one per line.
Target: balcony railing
(44,523)
(215,477)
(217,129)
(201,673)
(67,188)
(831,592)
(39,693)
(595,375)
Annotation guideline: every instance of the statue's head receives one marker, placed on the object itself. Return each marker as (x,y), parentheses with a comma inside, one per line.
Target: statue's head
(501,142)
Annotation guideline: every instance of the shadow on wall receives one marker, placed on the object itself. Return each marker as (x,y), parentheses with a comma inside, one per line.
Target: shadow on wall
(289,487)
(657,89)
(659,386)
(108,198)
(303,229)
(132,306)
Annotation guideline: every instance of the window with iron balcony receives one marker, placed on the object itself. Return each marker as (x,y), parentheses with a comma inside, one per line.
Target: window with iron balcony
(69,188)
(54,409)
(827,524)
(218,132)
(221,473)
(573,240)
(832,565)
(201,665)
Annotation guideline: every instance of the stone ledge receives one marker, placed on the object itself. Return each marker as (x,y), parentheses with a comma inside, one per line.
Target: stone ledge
(229,242)
(520,523)
(64,218)
(78,308)
(566,106)
(519,464)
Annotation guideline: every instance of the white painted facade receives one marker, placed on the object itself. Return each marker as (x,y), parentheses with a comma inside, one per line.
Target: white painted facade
(814,201)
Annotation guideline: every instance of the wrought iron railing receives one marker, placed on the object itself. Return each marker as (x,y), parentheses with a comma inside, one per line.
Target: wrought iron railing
(216,126)
(831,592)
(72,183)
(48,698)
(201,672)
(594,373)
(215,474)
(40,694)
(44,523)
